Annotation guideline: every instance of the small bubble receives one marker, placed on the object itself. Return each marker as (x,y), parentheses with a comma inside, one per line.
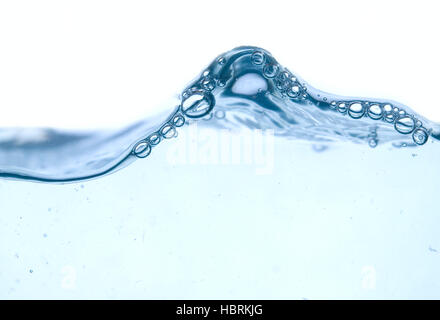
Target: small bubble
(372,143)
(387,108)
(154,139)
(257,58)
(221,61)
(294,91)
(142,149)
(31,271)
(420,136)
(219,114)
(168,131)
(389,117)
(342,107)
(178,121)
(270,70)
(208,83)
(281,83)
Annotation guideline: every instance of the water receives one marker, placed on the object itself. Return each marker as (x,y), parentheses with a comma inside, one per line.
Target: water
(256,186)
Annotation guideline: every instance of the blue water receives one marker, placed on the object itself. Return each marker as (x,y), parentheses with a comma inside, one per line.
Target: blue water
(249,89)
(256,186)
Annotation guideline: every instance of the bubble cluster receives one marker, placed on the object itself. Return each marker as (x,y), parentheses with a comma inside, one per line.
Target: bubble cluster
(198,101)
(142,148)
(284,80)
(403,122)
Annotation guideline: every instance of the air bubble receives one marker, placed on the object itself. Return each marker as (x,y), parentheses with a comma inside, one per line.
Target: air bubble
(375,112)
(356,110)
(178,121)
(198,105)
(342,107)
(294,91)
(372,143)
(220,114)
(270,70)
(142,149)
(286,75)
(168,131)
(257,58)
(404,125)
(282,83)
(387,108)
(389,117)
(420,136)
(221,61)
(208,83)
(154,139)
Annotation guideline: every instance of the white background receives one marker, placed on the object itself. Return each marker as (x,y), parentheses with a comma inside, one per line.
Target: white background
(105,63)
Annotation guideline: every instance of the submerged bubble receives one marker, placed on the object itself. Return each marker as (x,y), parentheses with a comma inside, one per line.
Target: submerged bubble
(142,149)
(404,125)
(372,143)
(420,136)
(356,110)
(220,114)
(198,104)
(257,58)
